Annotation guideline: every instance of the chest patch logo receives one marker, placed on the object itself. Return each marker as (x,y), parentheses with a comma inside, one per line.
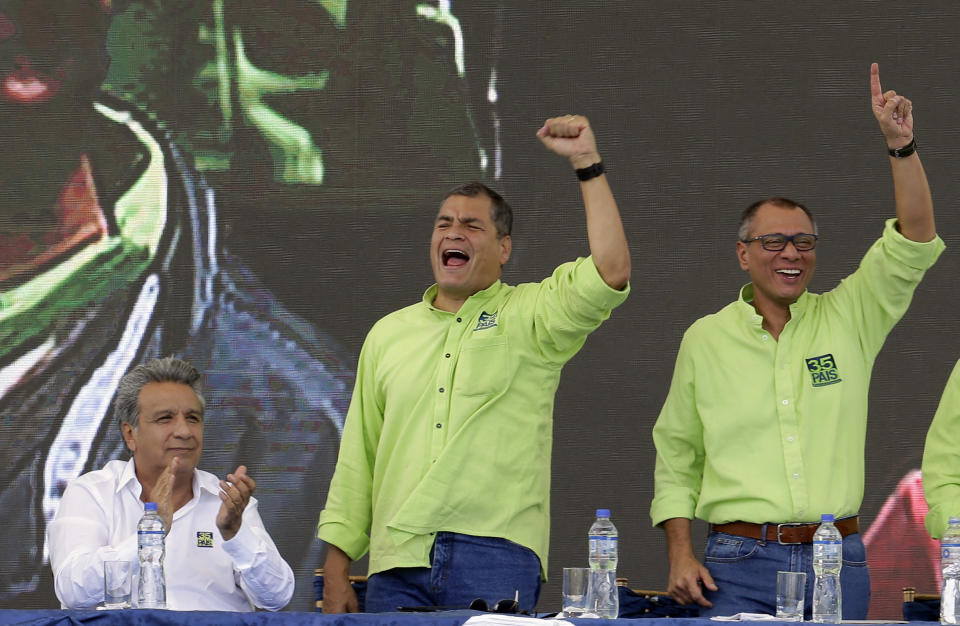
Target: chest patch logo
(487,320)
(823,370)
(204,539)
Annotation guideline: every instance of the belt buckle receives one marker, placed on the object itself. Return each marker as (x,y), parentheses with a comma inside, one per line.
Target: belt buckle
(780,538)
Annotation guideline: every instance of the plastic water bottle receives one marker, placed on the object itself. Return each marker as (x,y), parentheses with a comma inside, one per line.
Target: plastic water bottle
(605,601)
(150,535)
(827,561)
(950,568)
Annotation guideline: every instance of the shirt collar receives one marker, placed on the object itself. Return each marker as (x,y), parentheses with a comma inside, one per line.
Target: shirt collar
(750,314)
(128,475)
(473,301)
(205,481)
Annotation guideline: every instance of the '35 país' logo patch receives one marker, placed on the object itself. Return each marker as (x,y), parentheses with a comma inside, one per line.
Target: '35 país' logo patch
(823,370)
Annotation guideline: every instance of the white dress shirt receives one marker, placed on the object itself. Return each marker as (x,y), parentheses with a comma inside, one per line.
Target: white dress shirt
(97,521)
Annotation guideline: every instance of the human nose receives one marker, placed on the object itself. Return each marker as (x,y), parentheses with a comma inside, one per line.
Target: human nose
(181,429)
(454,232)
(790,250)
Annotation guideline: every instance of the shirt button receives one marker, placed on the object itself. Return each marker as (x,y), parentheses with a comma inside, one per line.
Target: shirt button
(796,475)
(790,439)
(764,337)
(459,319)
(785,402)
(441,389)
(439,426)
(448,355)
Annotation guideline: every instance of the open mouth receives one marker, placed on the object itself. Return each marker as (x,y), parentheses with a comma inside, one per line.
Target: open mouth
(789,274)
(26,85)
(454,258)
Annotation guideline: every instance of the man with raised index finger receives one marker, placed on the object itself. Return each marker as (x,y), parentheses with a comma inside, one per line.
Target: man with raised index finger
(444,466)
(764,425)
(218,554)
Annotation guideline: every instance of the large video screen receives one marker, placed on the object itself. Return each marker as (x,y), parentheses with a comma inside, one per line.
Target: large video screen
(250,184)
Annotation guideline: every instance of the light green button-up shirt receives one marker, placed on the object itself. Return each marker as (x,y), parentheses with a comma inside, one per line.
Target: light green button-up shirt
(451,423)
(764,430)
(941,460)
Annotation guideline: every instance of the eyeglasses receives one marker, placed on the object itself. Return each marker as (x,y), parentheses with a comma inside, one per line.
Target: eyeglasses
(775,242)
(506,605)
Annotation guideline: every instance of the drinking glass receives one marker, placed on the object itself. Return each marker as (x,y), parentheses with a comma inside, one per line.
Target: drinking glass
(791,588)
(117,578)
(576,583)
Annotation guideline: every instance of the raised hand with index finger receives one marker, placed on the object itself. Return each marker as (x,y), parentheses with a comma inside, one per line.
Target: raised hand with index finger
(894,113)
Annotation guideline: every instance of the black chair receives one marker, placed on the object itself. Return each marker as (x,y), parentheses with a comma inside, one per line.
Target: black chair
(640,603)
(920,607)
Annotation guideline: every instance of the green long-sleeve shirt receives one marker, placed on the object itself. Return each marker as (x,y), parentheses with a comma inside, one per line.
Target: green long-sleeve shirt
(941,460)
(772,430)
(450,425)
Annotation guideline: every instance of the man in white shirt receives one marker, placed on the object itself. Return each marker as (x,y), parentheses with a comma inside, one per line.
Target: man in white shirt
(218,554)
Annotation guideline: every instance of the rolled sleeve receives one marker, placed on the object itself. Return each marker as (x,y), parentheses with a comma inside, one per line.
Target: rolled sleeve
(568,306)
(920,255)
(343,534)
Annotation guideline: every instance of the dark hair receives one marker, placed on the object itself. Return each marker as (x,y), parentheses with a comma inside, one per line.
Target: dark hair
(126,406)
(501,212)
(784,203)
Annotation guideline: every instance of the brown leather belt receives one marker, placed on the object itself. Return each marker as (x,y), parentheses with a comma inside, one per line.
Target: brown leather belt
(785,533)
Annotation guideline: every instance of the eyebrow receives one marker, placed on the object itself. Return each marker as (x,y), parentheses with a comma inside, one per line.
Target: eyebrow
(463,220)
(168,411)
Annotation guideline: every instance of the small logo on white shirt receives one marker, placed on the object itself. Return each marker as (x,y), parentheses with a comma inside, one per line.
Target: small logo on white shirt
(204,539)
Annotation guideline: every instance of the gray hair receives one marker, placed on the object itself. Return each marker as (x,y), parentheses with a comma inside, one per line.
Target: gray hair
(746,218)
(126,406)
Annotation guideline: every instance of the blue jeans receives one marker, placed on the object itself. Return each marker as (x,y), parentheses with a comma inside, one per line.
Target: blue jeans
(745,571)
(464,568)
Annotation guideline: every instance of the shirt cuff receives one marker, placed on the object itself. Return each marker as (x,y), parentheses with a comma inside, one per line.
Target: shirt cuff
(676,505)
(920,255)
(244,547)
(333,531)
(595,289)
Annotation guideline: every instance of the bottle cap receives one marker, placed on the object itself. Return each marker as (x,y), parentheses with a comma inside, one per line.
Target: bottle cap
(149,506)
(826,517)
(603,512)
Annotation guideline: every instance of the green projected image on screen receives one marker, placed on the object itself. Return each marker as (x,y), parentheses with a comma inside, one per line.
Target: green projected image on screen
(308,93)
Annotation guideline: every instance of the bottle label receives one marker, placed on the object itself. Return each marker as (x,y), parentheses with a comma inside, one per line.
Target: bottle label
(949,549)
(603,544)
(830,548)
(149,532)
